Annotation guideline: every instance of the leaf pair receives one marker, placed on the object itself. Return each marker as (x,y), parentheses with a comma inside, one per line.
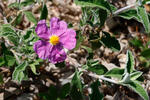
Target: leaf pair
(22,4)
(6,30)
(7,58)
(103,4)
(106,40)
(19,72)
(139,14)
(76,91)
(129,76)
(31,18)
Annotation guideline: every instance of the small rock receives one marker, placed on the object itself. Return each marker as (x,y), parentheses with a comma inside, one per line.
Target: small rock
(1,96)
(122,60)
(108,97)
(25,96)
(129,2)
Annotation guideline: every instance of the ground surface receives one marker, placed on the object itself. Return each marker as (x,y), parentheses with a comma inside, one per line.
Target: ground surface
(49,74)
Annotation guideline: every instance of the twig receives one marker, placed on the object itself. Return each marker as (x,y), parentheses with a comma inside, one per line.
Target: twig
(102,78)
(25,9)
(17,58)
(28,8)
(4,69)
(13,20)
(4,18)
(91,74)
(125,8)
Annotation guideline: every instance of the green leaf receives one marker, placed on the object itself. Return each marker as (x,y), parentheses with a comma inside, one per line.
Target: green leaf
(44,12)
(136,42)
(113,8)
(92,63)
(18,19)
(65,90)
(146,2)
(110,42)
(125,78)
(18,74)
(130,63)
(34,64)
(6,30)
(144,18)
(97,68)
(33,68)
(52,93)
(14,39)
(96,95)
(88,49)
(103,4)
(94,40)
(27,2)
(138,89)
(130,14)
(14,5)
(5,50)
(2,61)
(30,16)
(146,53)
(79,40)
(94,17)
(95,45)
(44,96)
(1,79)
(28,34)
(103,16)
(9,60)
(115,72)
(76,91)
(135,75)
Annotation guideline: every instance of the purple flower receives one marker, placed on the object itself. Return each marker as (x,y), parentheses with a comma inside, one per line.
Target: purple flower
(54,40)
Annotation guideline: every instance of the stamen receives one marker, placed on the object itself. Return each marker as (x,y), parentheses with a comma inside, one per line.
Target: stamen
(54,40)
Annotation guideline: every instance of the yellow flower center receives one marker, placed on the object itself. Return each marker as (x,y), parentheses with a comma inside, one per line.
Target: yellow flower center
(54,40)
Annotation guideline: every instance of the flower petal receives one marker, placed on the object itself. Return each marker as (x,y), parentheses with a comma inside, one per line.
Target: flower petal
(68,39)
(42,30)
(57,27)
(42,48)
(57,55)
(54,22)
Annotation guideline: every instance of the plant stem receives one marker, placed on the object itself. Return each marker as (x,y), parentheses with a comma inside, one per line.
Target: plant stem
(124,9)
(4,18)
(102,78)
(17,58)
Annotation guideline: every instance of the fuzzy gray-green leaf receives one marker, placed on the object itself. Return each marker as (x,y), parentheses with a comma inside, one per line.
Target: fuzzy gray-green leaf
(135,75)
(103,4)
(30,17)
(130,63)
(96,94)
(115,72)
(18,74)
(130,14)
(144,18)
(138,89)
(76,91)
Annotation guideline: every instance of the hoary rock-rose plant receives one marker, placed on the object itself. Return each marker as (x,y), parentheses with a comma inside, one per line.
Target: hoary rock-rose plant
(53,40)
